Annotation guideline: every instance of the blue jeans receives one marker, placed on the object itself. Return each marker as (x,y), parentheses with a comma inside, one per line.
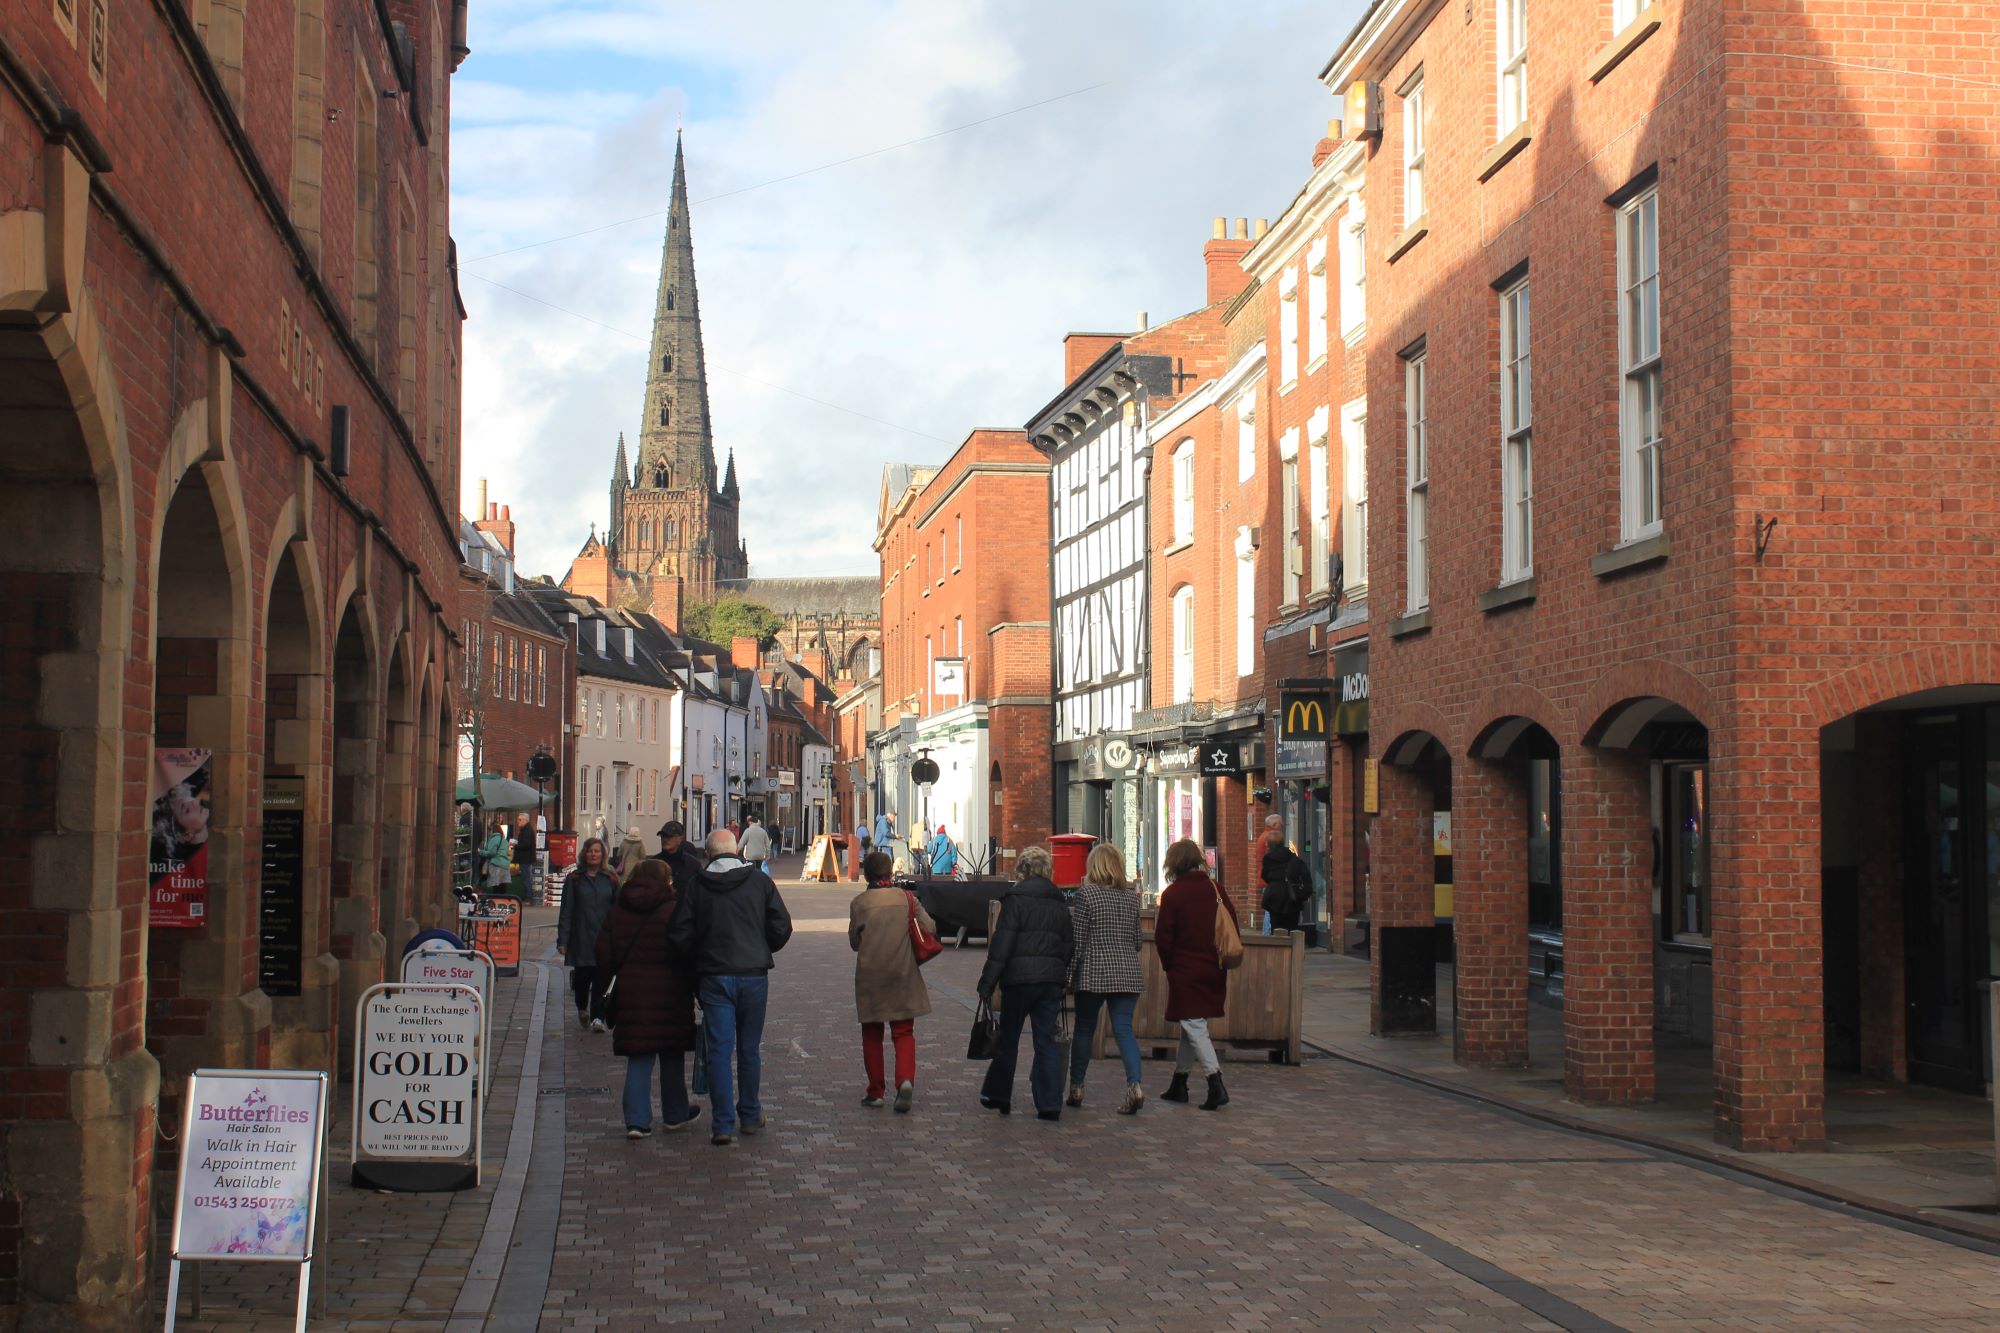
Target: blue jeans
(1121,1007)
(1019,1004)
(732,1024)
(638,1089)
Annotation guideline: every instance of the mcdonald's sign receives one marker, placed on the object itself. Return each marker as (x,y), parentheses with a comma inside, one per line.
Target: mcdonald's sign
(1303,715)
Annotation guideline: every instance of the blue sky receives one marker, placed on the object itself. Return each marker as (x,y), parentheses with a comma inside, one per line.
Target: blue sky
(870,312)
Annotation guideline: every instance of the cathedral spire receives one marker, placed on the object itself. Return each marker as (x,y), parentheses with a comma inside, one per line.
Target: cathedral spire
(621,478)
(676,446)
(729,491)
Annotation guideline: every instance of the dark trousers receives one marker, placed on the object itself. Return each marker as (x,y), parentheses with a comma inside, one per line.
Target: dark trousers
(583,985)
(1019,1005)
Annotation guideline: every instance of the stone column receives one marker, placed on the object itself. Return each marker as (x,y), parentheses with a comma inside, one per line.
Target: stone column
(1490,874)
(1607,926)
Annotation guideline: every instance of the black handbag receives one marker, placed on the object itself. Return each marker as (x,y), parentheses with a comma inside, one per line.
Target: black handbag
(985,1038)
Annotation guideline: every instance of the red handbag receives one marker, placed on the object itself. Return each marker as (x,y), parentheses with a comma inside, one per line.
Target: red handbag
(925,945)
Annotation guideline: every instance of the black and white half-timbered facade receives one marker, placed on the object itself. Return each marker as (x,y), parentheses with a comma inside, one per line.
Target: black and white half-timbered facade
(1094,435)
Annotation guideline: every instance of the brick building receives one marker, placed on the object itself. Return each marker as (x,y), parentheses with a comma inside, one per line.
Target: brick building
(517,675)
(964,677)
(1693,631)
(230,338)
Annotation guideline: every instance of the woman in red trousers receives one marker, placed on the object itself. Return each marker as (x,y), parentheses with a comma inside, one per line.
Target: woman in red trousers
(888,989)
(1197,987)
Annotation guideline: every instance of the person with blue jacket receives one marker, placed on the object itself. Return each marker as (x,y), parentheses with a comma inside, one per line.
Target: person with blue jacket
(944,856)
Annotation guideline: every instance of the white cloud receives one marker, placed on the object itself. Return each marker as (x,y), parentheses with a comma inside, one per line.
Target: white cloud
(929,286)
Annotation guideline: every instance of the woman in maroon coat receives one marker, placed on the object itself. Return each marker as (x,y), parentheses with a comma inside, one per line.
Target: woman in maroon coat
(654,999)
(1197,987)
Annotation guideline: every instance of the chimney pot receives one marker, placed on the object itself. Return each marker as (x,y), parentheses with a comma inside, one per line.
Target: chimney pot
(1242,229)
(1221,233)
(492,512)
(1142,325)
(1333,127)
(1263,225)
(506,516)
(482,497)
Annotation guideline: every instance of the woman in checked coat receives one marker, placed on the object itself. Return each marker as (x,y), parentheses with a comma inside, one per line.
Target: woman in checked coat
(1106,973)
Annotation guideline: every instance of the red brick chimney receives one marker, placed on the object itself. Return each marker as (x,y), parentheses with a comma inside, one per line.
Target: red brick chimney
(1224,257)
(815,662)
(1325,147)
(497,521)
(743,652)
(1080,349)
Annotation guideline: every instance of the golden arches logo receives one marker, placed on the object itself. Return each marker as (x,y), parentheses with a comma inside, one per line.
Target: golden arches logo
(1305,716)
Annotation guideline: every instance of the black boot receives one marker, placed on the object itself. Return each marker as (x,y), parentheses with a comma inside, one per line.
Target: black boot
(1177,1090)
(1218,1096)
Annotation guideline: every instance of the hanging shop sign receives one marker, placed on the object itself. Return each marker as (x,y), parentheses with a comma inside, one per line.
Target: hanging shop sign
(1302,715)
(948,677)
(1106,758)
(417,1087)
(1350,672)
(281,888)
(1221,759)
(177,857)
(1177,759)
(253,1144)
(1299,759)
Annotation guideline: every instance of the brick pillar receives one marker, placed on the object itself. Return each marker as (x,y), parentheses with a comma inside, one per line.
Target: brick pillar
(1402,964)
(1340,836)
(1607,927)
(1490,872)
(1879,841)
(1770,993)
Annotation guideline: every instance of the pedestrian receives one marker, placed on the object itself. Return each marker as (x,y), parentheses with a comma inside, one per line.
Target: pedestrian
(1106,974)
(882,830)
(755,845)
(631,851)
(888,989)
(1197,987)
(525,855)
(652,999)
(681,856)
(729,924)
(588,896)
(944,856)
(857,849)
(496,856)
(1287,879)
(1027,962)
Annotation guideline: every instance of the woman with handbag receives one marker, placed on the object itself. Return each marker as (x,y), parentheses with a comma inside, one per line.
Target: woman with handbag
(588,895)
(891,937)
(1027,962)
(1106,974)
(648,997)
(1193,912)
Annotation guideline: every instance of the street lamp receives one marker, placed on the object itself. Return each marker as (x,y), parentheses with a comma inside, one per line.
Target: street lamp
(925,772)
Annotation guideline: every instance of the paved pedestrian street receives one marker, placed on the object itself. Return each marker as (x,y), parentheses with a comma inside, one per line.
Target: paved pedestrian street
(1323,1196)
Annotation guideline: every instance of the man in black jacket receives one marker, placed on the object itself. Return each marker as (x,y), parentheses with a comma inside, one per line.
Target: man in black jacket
(1027,961)
(681,858)
(1287,880)
(728,923)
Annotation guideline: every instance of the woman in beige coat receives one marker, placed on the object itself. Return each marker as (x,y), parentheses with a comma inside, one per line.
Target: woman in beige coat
(888,989)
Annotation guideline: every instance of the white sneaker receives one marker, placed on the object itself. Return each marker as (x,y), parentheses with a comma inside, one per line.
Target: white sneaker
(597,1025)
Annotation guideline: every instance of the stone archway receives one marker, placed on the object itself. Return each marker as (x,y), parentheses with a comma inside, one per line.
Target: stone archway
(66,984)
(355,868)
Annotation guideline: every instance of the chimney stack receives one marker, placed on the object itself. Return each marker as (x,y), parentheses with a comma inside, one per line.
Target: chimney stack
(743,652)
(494,518)
(1324,148)
(1223,257)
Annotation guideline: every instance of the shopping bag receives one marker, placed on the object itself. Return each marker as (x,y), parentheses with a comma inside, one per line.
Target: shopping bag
(985,1034)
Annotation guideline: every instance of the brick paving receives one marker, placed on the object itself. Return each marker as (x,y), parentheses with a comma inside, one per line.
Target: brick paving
(1325,1196)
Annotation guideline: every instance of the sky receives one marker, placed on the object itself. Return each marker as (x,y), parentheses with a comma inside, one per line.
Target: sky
(869,310)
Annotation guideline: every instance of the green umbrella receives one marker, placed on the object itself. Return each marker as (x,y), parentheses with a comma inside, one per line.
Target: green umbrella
(496,793)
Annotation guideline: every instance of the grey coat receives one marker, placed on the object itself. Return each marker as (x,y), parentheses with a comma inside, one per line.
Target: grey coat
(1106,922)
(587,900)
(887,986)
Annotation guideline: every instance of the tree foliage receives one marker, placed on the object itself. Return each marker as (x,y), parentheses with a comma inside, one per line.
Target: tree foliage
(733,618)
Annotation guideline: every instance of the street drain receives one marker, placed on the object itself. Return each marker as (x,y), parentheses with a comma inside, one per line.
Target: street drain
(574,1092)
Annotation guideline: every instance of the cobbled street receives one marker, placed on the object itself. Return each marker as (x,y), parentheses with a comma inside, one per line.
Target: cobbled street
(1324,1196)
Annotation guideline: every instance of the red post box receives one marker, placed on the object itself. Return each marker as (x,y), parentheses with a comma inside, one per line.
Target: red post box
(1070,852)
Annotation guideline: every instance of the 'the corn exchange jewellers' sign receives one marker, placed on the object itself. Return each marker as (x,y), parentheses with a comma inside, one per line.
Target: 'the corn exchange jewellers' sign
(252,1144)
(418,1087)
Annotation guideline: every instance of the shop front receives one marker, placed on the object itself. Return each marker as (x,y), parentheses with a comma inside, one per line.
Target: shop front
(1099,785)
(1323,786)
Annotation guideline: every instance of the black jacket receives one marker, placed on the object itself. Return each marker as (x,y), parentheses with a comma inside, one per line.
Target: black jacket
(730,921)
(684,861)
(1033,940)
(1287,884)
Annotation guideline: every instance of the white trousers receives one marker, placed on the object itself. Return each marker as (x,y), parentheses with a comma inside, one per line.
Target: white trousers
(1195,1045)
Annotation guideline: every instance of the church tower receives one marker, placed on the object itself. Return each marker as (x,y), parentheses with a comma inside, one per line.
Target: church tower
(671,520)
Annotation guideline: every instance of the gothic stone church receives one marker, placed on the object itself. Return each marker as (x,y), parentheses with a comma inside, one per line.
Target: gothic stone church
(673,537)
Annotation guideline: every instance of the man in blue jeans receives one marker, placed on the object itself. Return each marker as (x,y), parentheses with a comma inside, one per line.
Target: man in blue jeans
(728,925)
(1027,961)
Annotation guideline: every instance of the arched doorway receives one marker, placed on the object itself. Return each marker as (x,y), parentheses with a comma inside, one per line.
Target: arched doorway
(296,967)
(397,916)
(1639,906)
(1410,886)
(69,970)
(1506,890)
(354,871)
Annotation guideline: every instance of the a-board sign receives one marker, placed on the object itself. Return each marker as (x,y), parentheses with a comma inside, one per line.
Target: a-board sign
(436,963)
(822,863)
(251,1143)
(418,1087)
(253,1146)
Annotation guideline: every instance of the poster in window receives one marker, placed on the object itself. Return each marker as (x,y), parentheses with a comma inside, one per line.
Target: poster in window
(177,857)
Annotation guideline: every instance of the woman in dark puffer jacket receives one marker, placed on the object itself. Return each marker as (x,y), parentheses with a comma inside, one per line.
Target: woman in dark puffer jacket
(1027,962)
(654,999)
